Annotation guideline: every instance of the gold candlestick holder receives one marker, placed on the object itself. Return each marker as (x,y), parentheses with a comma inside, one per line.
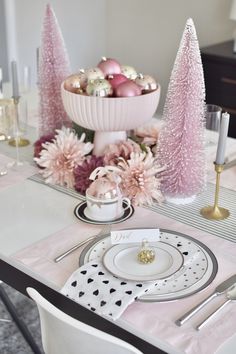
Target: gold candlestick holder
(18,141)
(215,212)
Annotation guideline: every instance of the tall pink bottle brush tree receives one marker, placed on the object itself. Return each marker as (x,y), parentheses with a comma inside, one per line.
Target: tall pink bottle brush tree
(54,67)
(181,140)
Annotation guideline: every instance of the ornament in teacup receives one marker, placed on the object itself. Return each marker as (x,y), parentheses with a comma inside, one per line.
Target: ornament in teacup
(103,197)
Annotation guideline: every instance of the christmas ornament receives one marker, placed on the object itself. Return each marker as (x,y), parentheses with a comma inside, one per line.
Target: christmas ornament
(146,255)
(99,88)
(93,74)
(129,72)
(128,89)
(181,140)
(109,66)
(116,80)
(146,82)
(75,83)
(53,69)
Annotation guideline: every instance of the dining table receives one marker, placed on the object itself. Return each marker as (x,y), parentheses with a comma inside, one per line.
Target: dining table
(38,223)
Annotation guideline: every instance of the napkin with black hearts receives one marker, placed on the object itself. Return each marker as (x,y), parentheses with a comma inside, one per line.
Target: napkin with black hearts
(95,288)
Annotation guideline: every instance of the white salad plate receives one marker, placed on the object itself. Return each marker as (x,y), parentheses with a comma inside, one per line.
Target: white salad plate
(197,271)
(122,261)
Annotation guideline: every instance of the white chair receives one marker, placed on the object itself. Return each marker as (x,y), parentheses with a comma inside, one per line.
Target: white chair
(62,334)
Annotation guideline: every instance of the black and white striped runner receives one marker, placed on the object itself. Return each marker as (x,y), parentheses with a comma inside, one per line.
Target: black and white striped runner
(187,214)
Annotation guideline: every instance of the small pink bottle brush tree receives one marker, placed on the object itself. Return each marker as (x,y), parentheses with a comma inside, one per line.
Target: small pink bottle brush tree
(54,67)
(181,140)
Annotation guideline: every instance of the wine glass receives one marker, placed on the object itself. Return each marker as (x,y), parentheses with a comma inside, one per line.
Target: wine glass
(213,116)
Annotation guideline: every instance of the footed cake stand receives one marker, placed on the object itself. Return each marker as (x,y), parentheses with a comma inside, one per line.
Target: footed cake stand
(110,117)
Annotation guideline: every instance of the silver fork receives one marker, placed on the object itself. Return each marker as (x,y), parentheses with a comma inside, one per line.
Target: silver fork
(105,230)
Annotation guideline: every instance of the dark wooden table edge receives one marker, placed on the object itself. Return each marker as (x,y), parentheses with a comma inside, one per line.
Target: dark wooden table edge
(20,281)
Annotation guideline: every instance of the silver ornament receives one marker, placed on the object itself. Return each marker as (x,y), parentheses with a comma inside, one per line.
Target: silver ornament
(99,88)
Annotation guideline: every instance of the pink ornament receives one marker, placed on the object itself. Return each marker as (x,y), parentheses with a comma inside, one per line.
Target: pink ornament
(128,89)
(116,80)
(109,66)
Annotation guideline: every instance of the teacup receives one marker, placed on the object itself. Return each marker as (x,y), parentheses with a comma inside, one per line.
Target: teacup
(106,209)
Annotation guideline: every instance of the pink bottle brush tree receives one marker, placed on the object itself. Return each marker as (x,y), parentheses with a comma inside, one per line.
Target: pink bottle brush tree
(53,68)
(181,140)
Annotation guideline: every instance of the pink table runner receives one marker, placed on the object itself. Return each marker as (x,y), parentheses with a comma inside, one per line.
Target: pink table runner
(153,319)
(15,174)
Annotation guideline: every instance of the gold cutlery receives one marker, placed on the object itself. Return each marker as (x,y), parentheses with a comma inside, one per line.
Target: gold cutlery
(220,289)
(231,296)
(105,230)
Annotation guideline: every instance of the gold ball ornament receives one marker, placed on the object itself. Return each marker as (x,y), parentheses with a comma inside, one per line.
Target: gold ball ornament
(99,88)
(75,83)
(146,82)
(146,255)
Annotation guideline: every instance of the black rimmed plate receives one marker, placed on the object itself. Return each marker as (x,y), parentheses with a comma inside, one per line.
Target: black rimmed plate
(80,208)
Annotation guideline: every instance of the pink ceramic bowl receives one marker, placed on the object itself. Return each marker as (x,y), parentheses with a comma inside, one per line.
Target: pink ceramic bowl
(110,114)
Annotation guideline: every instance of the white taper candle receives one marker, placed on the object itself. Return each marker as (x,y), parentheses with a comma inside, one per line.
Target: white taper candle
(15,85)
(224,126)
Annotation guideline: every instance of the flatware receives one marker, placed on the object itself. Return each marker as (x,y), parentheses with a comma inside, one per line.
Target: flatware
(230,297)
(105,230)
(220,289)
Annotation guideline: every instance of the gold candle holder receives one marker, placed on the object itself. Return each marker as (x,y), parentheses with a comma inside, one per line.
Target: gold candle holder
(215,212)
(18,141)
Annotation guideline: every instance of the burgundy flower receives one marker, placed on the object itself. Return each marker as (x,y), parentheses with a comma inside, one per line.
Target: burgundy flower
(83,171)
(38,144)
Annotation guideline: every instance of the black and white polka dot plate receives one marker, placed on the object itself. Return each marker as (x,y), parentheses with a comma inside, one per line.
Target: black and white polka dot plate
(80,214)
(197,272)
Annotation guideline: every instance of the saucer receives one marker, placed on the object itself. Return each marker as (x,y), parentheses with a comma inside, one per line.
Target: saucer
(80,213)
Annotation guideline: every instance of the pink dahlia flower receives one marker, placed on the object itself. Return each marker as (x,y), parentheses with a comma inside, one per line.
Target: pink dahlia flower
(149,132)
(60,157)
(122,149)
(139,180)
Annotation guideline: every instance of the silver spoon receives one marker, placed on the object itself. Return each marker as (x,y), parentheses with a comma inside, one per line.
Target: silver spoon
(230,296)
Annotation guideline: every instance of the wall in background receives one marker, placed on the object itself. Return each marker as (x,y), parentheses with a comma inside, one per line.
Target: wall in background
(146,34)
(83,24)
(3,43)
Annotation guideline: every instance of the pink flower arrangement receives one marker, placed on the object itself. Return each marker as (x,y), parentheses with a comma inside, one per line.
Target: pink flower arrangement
(122,149)
(139,180)
(66,160)
(60,157)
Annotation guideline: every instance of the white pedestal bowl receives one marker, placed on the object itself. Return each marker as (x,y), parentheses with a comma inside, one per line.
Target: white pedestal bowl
(110,117)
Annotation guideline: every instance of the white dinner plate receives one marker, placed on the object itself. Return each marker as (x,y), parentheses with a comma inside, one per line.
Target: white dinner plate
(197,272)
(122,261)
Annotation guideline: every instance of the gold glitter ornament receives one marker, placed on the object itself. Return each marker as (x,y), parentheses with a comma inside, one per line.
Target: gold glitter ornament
(75,83)
(146,255)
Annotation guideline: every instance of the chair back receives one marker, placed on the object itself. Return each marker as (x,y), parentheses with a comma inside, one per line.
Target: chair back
(62,334)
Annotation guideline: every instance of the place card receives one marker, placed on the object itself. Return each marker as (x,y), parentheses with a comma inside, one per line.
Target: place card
(135,236)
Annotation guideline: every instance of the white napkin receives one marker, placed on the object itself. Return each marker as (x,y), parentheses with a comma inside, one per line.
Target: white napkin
(97,289)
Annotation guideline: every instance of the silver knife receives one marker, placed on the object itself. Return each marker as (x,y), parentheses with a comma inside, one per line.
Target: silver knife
(220,289)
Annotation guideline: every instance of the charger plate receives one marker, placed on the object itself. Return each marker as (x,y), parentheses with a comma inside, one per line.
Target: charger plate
(198,270)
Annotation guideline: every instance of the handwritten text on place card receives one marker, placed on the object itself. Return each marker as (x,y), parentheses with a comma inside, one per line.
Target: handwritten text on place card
(136,235)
